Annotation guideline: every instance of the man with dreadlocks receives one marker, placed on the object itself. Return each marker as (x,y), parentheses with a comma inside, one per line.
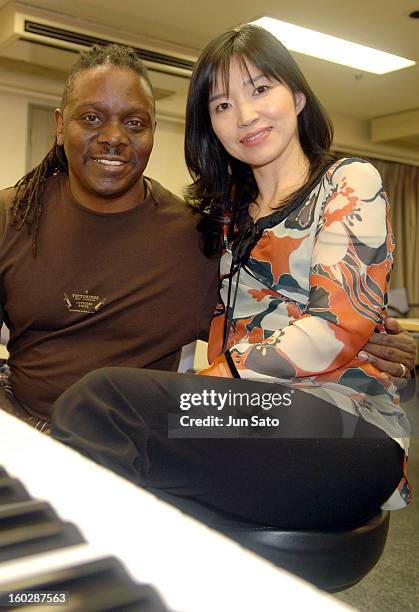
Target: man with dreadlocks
(100,265)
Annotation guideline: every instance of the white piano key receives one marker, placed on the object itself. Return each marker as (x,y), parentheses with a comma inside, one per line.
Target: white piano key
(194,568)
(35,565)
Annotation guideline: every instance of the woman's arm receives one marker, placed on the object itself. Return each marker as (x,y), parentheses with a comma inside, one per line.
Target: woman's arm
(351,262)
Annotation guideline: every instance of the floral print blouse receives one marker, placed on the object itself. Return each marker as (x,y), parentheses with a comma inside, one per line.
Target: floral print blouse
(311,293)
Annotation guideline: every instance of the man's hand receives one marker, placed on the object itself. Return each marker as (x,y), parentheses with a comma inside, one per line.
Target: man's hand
(391,351)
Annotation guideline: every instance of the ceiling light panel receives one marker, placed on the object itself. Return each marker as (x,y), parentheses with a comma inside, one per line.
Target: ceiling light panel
(332,49)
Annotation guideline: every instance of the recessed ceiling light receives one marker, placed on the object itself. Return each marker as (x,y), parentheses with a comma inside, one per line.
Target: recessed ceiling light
(333,49)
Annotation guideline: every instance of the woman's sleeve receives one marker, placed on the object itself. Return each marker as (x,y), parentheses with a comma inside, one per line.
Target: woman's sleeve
(351,263)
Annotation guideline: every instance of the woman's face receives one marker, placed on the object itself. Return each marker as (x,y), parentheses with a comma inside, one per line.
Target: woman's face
(257,121)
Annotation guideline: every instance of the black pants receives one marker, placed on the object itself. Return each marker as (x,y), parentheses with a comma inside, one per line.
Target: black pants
(118,417)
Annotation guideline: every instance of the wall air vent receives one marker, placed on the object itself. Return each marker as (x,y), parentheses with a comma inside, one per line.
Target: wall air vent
(50,33)
(38,47)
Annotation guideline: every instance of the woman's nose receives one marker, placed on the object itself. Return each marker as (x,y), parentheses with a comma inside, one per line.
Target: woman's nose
(247,113)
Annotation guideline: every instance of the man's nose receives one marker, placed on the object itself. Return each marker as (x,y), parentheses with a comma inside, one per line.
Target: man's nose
(113,133)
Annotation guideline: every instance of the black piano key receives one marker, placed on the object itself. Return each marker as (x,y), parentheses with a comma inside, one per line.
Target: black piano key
(35,539)
(24,514)
(127,598)
(29,527)
(94,586)
(12,491)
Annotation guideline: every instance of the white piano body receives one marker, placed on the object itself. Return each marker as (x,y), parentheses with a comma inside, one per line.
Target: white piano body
(193,568)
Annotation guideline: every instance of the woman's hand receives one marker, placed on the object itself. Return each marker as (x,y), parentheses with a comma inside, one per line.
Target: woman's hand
(218,368)
(391,351)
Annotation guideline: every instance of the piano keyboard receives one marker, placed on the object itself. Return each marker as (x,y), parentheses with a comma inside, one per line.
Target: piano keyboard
(69,525)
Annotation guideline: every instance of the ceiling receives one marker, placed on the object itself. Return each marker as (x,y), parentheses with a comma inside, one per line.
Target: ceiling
(188,25)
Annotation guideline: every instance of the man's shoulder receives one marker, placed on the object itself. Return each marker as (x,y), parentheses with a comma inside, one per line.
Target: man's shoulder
(6,198)
(7,195)
(160,193)
(173,204)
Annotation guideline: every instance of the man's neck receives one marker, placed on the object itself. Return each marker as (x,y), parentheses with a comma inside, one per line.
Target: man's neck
(112,203)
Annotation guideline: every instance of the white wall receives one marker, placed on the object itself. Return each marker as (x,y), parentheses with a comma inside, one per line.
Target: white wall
(17,91)
(13,132)
(353,135)
(167,164)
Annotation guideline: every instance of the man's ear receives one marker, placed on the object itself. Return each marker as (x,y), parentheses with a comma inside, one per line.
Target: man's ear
(300,101)
(59,123)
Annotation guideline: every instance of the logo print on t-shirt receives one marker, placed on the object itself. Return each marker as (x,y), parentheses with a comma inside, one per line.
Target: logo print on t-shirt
(83,302)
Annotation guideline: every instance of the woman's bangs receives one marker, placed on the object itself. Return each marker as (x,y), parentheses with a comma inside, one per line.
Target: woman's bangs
(269,67)
(220,76)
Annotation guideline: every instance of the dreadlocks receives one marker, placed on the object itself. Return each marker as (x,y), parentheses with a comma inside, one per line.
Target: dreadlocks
(27,203)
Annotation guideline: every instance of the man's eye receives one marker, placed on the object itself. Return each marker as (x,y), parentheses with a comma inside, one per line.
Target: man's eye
(135,123)
(91,118)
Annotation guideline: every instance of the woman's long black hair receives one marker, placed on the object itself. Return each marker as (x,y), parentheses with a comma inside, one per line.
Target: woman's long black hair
(220,182)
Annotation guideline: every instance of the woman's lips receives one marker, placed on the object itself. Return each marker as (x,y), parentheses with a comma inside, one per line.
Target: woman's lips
(255,138)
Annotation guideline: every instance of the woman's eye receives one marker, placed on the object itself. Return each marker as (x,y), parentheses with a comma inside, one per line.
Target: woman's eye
(222,107)
(260,90)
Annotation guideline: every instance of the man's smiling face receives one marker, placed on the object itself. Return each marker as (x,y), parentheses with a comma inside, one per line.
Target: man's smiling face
(107,129)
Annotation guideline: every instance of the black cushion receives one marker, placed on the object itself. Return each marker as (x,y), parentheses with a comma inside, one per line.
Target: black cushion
(333,560)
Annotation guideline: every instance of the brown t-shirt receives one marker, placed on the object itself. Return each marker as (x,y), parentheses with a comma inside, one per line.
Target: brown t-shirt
(105,289)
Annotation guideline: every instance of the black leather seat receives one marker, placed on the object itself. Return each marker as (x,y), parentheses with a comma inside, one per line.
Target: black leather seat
(333,560)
